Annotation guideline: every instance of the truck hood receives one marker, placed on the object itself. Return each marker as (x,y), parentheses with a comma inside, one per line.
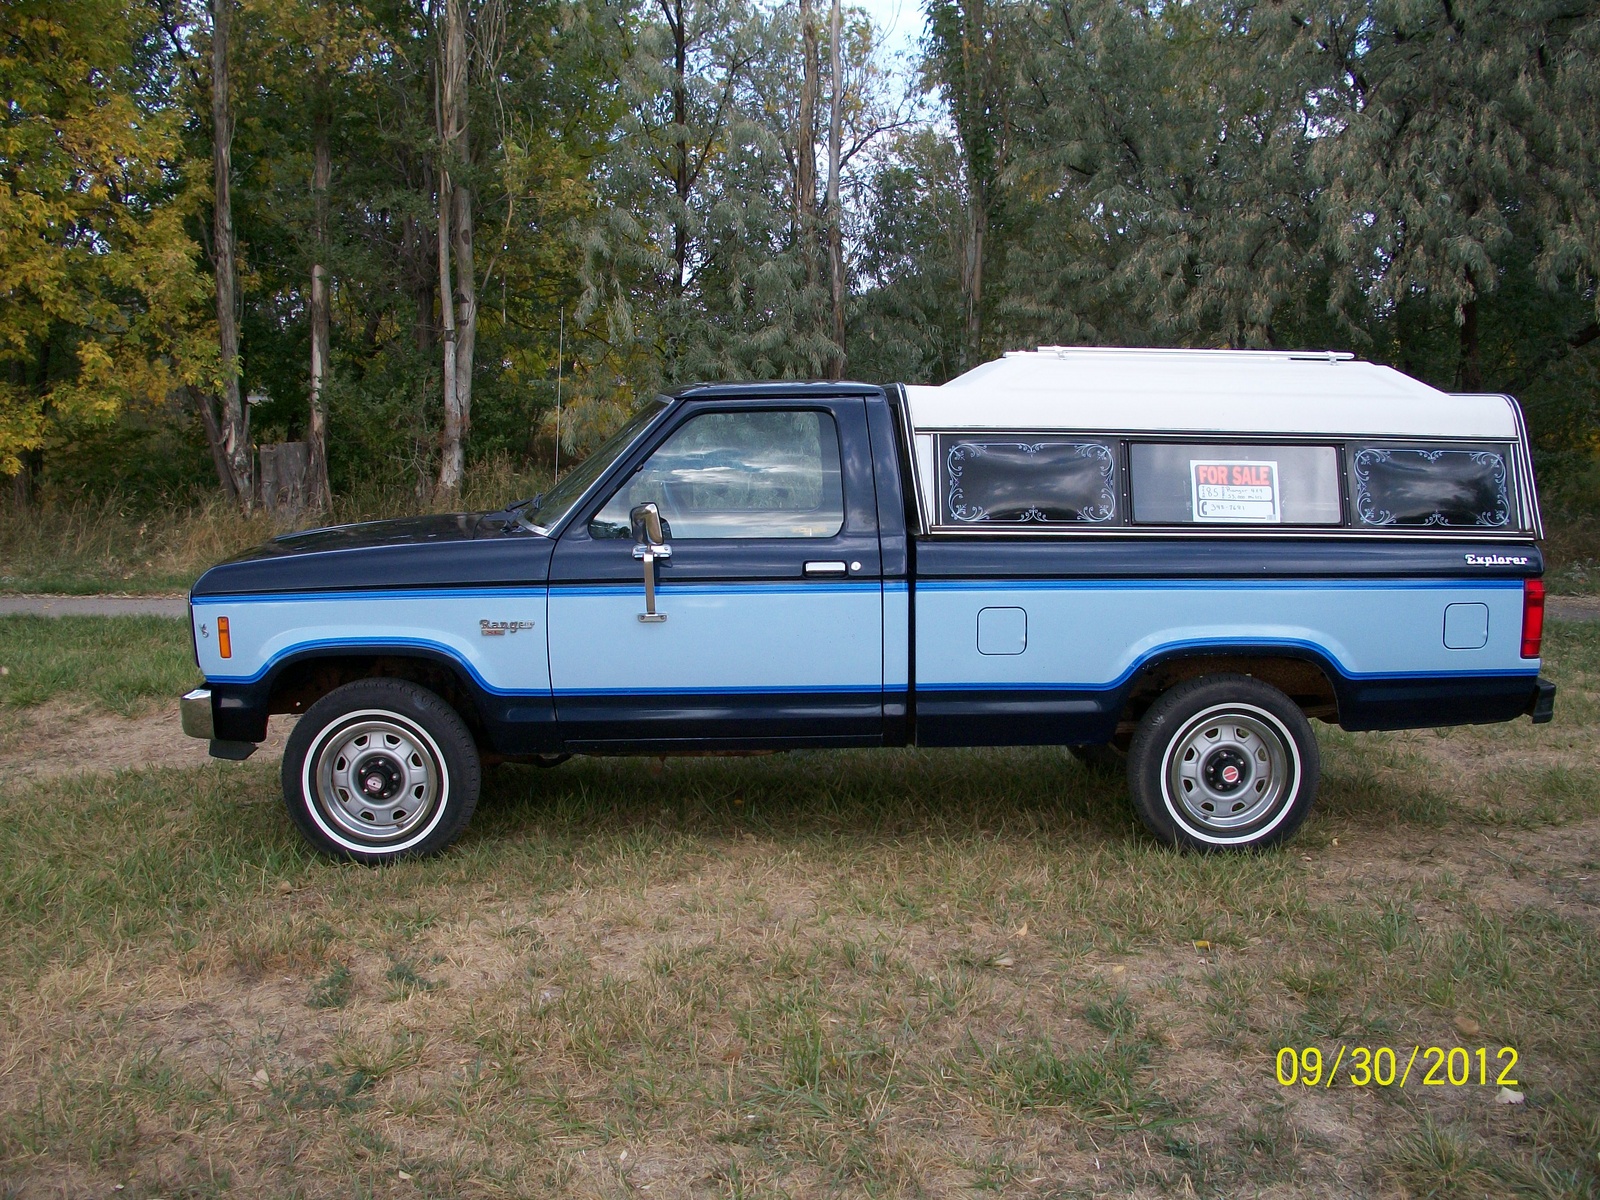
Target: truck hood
(443,527)
(447,550)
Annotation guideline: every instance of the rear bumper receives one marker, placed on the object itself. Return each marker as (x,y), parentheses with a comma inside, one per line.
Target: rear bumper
(1543,706)
(195,709)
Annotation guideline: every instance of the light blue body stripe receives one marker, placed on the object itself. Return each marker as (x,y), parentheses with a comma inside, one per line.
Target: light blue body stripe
(378,643)
(1211,644)
(718,639)
(1190,585)
(821,637)
(1094,635)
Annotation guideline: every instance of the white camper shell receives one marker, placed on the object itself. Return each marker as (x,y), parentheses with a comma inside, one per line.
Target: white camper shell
(1373,452)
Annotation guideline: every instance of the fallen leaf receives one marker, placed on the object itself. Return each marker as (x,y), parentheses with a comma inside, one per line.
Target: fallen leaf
(1005,960)
(1335,841)
(1202,944)
(402,1175)
(285,888)
(1507,1096)
(1466,1026)
(1119,969)
(260,1078)
(1021,931)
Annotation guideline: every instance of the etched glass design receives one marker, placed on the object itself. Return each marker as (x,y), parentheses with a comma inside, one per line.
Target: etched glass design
(1043,481)
(1418,488)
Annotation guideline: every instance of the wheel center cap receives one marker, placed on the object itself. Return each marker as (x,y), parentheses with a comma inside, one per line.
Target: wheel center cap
(1227,770)
(379,778)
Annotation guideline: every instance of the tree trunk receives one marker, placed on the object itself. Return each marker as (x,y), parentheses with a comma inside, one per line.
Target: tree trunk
(317,492)
(422,268)
(835,230)
(466,323)
(458,304)
(972,272)
(1470,372)
(235,416)
(215,440)
(805,195)
(680,164)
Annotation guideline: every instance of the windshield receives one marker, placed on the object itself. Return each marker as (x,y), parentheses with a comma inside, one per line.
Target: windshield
(555,504)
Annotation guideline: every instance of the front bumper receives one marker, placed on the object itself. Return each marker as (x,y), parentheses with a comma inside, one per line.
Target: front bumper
(195,709)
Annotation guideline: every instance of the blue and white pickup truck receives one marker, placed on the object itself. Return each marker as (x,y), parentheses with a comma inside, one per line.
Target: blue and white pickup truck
(1174,558)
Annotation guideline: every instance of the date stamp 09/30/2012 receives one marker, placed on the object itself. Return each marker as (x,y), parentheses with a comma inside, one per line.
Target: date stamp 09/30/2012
(1384,1066)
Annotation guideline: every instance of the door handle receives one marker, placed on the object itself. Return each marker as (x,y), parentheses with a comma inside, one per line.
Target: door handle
(826,568)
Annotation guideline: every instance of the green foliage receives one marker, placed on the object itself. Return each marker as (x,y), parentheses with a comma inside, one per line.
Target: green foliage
(1419,183)
(104,300)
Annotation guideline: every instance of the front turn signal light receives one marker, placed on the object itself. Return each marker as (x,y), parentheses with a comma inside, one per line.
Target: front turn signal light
(225,639)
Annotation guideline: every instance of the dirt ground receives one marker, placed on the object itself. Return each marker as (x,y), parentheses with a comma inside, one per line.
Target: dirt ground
(62,737)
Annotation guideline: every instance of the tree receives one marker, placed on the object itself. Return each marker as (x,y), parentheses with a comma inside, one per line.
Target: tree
(103,304)
(1457,153)
(233,432)
(968,58)
(458,294)
(835,161)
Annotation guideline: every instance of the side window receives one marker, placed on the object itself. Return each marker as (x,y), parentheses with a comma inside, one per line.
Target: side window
(1234,484)
(1415,487)
(767,474)
(1019,480)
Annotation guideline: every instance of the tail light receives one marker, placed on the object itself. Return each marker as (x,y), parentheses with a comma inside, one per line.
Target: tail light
(1532,617)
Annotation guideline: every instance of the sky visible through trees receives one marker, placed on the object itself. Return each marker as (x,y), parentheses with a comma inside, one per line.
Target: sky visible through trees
(416,213)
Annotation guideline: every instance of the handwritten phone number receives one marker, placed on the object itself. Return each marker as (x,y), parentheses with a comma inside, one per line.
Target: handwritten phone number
(1364,1066)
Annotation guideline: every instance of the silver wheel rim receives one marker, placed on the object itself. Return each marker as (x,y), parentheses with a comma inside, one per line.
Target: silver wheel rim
(1229,769)
(376,778)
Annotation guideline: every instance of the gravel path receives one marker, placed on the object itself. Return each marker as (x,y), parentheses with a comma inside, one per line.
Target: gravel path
(1559,608)
(96,606)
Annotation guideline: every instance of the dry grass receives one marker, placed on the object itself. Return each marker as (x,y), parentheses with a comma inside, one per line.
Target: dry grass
(121,547)
(891,973)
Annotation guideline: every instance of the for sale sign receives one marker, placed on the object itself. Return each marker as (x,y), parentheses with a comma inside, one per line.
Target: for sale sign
(1230,491)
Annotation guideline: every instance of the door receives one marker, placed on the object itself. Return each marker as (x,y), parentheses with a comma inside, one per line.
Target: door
(770,593)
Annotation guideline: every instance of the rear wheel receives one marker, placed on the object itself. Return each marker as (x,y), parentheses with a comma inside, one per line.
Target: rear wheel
(380,769)
(1224,763)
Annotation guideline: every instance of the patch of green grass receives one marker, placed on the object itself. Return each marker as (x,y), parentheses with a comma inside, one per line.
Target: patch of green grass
(888,973)
(119,664)
(333,990)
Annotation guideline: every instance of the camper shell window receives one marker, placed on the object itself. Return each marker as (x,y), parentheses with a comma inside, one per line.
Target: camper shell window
(1440,486)
(1191,483)
(1024,479)
(1033,482)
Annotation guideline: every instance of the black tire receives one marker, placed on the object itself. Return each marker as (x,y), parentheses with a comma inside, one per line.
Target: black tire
(1224,762)
(381,769)
(1102,759)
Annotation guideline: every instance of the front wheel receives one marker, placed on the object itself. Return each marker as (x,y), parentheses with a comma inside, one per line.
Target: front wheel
(1224,762)
(380,769)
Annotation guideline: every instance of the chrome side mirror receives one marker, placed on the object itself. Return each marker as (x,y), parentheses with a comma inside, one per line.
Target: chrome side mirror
(646,522)
(651,545)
